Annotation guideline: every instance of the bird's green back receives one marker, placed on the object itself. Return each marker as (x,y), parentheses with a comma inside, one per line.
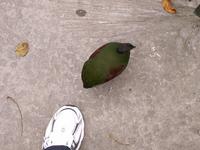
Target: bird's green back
(97,69)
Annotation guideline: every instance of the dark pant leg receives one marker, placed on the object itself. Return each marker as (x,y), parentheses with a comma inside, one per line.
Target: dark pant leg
(58,148)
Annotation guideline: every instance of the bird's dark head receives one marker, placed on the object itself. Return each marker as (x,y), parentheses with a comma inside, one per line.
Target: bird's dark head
(125,47)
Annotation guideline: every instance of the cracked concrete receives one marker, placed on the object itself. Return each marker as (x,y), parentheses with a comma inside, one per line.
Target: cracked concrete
(153,105)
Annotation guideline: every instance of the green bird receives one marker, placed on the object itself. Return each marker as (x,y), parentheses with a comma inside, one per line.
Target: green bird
(106,63)
(197,11)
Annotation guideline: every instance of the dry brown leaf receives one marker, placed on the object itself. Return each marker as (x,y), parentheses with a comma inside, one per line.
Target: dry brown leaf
(167,5)
(22,49)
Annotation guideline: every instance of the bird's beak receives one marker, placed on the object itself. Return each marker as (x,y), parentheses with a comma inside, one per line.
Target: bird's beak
(132,47)
(129,46)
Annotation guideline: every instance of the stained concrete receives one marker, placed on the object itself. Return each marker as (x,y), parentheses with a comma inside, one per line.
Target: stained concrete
(153,105)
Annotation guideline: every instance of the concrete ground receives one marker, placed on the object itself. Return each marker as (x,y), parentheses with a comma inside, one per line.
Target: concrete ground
(153,105)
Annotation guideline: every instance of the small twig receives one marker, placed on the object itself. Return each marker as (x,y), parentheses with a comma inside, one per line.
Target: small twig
(117,141)
(15,102)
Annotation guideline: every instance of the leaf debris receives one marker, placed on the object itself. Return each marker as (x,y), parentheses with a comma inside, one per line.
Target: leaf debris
(117,141)
(167,5)
(20,112)
(22,49)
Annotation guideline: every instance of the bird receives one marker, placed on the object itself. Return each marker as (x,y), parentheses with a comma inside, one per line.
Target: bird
(106,63)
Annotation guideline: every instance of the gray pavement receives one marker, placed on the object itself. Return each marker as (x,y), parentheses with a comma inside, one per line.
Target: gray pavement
(153,105)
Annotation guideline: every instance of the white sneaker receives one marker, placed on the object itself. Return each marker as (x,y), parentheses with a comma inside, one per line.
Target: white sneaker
(66,128)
